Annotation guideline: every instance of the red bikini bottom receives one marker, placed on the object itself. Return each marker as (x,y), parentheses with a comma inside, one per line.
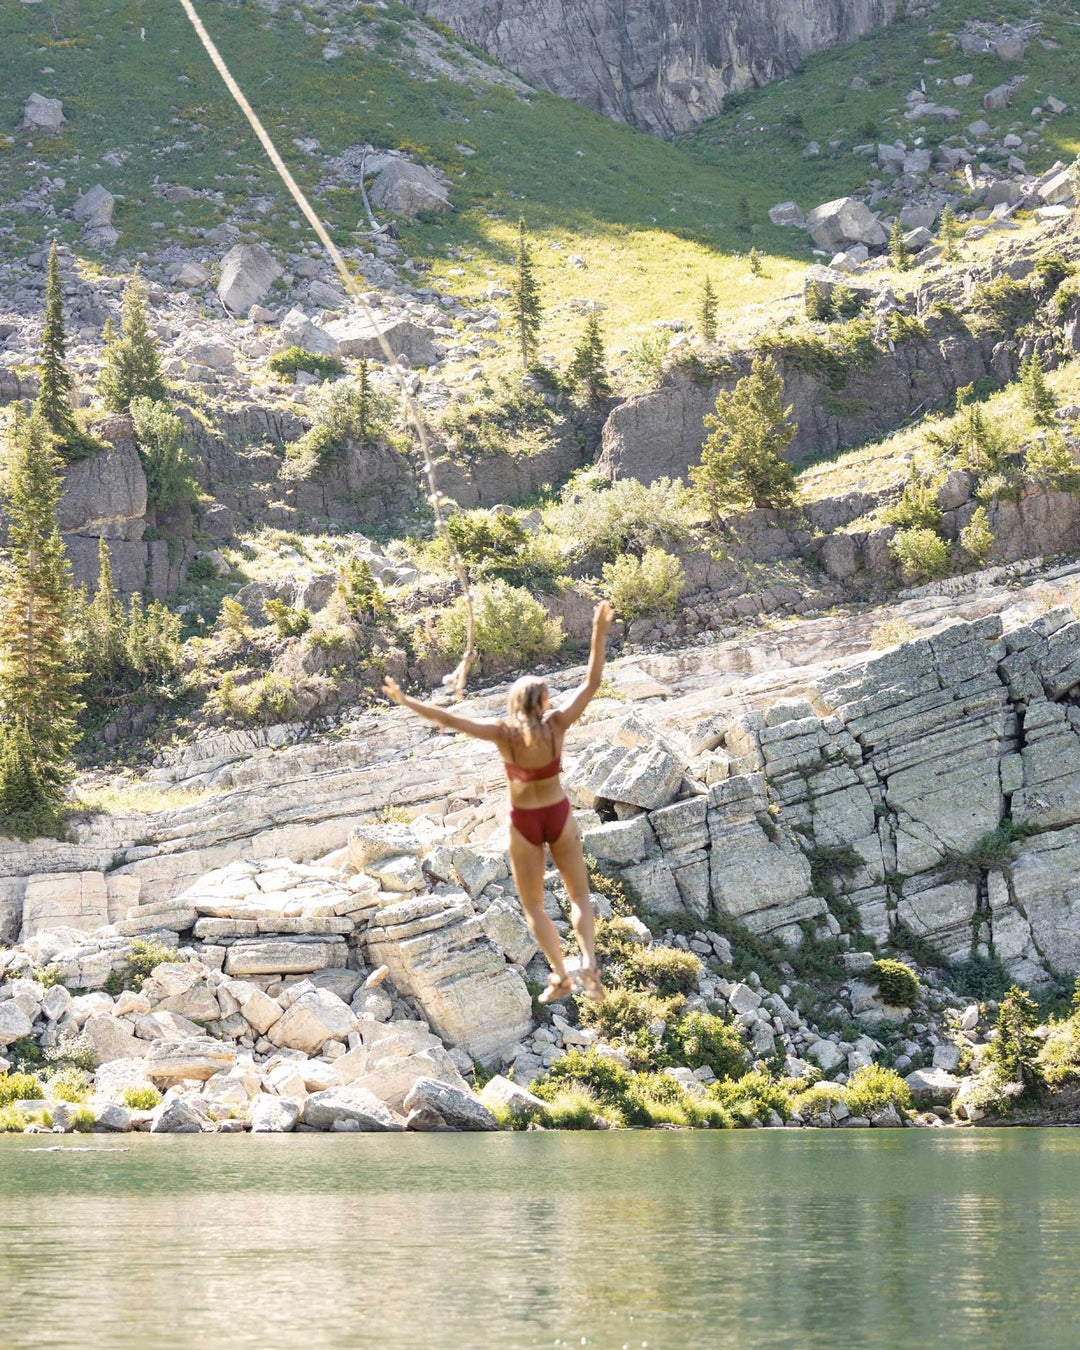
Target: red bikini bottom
(541,824)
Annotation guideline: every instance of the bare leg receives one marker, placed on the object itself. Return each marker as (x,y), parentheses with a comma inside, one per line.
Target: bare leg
(569,857)
(527,865)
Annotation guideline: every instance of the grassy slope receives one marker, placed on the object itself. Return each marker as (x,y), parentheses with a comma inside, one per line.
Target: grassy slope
(753,141)
(647,217)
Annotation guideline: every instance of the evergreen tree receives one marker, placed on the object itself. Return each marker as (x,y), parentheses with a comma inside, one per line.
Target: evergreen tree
(23,796)
(1035,393)
(898,250)
(588,367)
(949,234)
(169,470)
(37,683)
(744,215)
(819,307)
(54,397)
(1011,1054)
(132,363)
(742,460)
(107,617)
(707,311)
(525,299)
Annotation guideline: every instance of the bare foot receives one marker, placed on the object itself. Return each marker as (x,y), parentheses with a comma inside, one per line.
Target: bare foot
(558,988)
(591,986)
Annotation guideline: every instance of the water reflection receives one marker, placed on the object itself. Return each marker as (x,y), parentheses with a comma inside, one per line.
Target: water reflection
(764,1239)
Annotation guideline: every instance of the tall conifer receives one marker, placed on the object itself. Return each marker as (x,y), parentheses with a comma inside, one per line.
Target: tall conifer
(588,368)
(525,299)
(707,311)
(132,364)
(54,397)
(38,688)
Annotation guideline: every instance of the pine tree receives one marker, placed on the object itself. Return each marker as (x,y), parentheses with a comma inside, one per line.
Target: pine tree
(588,367)
(742,460)
(525,299)
(949,234)
(132,363)
(744,225)
(169,470)
(106,615)
(38,687)
(364,400)
(1011,1054)
(707,311)
(819,306)
(1035,393)
(898,250)
(22,794)
(54,397)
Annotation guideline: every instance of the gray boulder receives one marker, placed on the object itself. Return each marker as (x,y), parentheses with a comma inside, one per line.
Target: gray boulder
(247,273)
(500,1093)
(404,188)
(175,1116)
(997,98)
(297,330)
(459,1109)
(42,116)
(932,1085)
(274,1115)
(359,336)
(787,214)
(323,1110)
(105,495)
(95,208)
(844,221)
(14,1023)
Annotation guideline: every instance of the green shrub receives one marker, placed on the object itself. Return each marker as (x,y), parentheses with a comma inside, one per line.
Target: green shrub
(498,547)
(645,587)
(362,595)
(703,1039)
(82,1120)
(267,701)
(1049,462)
(1006,304)
(69,1085)
(626,1014)
(646,358)
(143,958)
(917,507)
(202,569)
(819,1098)
(635,1099)
(897,983)
(890,632)
(509,418)
(170,470)
(18,1087)
(574,1107)
(921,553)
(753,1096)
(664,971)
(976,538)
(604,520)
(819,306)
(12,1120)
(287,621)
(510,624)
(872,1088)
(142,1098)
(294,358)
(347,411)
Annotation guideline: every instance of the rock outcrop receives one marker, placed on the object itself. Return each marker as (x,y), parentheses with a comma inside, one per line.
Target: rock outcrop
(662,68)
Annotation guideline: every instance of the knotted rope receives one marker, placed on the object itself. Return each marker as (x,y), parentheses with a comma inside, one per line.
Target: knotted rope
(456,680)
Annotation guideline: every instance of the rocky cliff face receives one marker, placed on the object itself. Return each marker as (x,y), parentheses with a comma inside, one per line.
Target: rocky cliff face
(660,67)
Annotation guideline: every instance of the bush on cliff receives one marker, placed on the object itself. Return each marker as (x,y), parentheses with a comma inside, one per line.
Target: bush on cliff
(921,553)
(645,587)
(700,1040)
(753,1097)
(497,547)
(628,1098)
(872,1088)
(742,461)
(169,469)
(897,983)
(353,410)
(510,624)
(604,520)
(296,358)
(132,361)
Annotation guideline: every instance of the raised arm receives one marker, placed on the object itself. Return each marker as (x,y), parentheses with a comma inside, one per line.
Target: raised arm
(470,726)
(568,713)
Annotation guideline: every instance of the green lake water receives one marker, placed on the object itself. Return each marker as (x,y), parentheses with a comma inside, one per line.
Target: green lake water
(873,1240)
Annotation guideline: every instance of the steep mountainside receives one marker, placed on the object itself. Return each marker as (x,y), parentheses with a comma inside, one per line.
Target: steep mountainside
(662,67)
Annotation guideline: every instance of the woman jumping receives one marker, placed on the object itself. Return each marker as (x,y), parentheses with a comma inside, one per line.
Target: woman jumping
(530,740)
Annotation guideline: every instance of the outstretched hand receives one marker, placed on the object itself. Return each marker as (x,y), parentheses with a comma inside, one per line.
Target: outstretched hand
(603,615)
(392,690)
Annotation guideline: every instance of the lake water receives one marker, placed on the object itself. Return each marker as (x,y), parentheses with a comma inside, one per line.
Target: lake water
(864,1239)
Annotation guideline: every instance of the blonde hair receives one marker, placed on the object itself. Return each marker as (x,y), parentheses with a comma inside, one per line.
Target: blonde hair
(525,707)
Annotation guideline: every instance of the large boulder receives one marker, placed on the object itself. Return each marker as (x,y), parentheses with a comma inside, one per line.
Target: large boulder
(315,1018)
(94,208)
(198,1057)
(274,1115)
(297,330)
(42,116)
(844,221)
(14,1023)
(247,273)
(64,900)
(352,1106)
(459,1109)
(501,1094)
(404,188)
(359,336)
(787,214)
(175,1116)
(112,1038)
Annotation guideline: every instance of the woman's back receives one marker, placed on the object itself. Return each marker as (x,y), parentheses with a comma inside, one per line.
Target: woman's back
(532,757)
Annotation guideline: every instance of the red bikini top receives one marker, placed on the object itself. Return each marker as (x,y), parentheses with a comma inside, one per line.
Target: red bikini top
(518,773)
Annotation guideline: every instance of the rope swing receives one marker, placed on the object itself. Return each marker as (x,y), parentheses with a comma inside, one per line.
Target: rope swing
(457,679)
